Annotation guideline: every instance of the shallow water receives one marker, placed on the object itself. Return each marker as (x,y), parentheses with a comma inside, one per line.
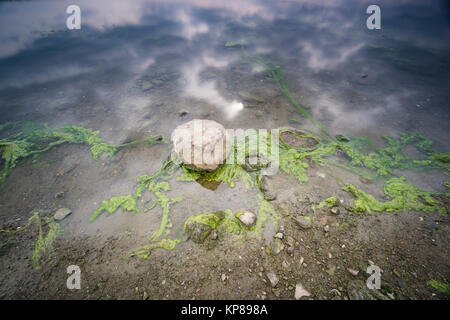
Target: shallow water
(134,67)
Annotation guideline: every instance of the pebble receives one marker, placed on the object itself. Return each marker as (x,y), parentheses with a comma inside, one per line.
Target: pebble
(223,277)
(301,292)
(272,278)
(353,272)
(326,228)
(279,235)
(62,213)
(335,210)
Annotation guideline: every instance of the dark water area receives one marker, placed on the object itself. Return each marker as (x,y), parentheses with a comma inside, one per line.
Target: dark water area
(140,68)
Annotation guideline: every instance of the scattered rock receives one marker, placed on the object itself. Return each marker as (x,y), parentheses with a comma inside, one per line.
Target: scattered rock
(304,222)
(297,139)
(342,138)
(59,195)
(272,278)
(250,97)
(145,296)
(353,272)
(300,292)
(366,180)
(223,277)
(247,218)
(335,210)
(201,139)
(279,235)
(275,247)
(326,228)
(62,213)
(182,113)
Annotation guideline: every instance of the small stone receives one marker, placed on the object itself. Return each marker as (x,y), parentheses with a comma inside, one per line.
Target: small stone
(353,272)
(279,235)
(214,235)
(335,210)
(304,222)
(276,246)
(285,264)
(272,278)
(223,277)
(300,292)
(247,218)
(183,113)
(62,213)
(59,195)
(145,296)
(290,250)
(326,228)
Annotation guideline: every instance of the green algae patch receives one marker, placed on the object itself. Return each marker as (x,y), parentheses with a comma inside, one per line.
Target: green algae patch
(329,202)
(210,219)
(145,251)
(440,286)
(403,196)
(43,247)
(127,203)
(32,138)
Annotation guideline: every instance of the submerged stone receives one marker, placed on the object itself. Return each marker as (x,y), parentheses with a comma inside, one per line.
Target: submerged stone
(201,144)
(62,213)
(298,139)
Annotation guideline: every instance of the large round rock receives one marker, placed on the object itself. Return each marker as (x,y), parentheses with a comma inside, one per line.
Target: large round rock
(201,144)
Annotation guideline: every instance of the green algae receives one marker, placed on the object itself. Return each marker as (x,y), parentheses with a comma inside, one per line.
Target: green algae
(43,247)
(127,203)
(32,138)
(329,202)
(145,251)
(440,286)
(43,251)
(403,196)
(210,219)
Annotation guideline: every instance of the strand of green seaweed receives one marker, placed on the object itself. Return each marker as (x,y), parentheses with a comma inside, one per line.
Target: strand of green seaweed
(34,138)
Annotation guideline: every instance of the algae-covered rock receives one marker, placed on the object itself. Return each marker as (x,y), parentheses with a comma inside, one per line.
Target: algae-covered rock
(199,226)
(201,144)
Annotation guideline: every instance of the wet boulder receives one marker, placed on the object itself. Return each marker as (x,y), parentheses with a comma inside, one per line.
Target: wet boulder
(198,227)
(201,144)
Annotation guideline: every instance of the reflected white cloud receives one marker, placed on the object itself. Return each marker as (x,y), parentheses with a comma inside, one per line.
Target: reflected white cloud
(208,90)
(320,58)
